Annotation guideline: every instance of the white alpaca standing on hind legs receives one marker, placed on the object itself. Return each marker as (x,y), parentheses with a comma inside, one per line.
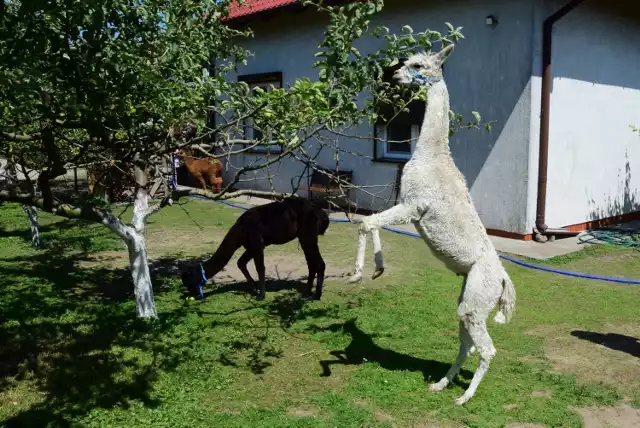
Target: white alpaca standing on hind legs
(434,197)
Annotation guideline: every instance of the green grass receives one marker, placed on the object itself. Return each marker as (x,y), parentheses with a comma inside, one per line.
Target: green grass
(72,353)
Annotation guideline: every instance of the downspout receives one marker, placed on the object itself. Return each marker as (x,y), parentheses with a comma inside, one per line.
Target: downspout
(541,228)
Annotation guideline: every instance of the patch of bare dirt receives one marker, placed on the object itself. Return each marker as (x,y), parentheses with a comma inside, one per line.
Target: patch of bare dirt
(291,267)
(444,424)
(623,416)
(542,394)
(610,356)
(526,425)
(309,412)
(380,415)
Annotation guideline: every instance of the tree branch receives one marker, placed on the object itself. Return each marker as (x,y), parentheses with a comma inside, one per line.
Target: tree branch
(222,196)
(22,138)
(88,213)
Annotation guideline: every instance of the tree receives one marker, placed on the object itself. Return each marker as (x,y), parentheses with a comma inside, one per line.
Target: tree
(126,83)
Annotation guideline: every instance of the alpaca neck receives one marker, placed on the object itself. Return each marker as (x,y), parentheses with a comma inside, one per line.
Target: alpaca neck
(188,160)
(230,244)
(434,134)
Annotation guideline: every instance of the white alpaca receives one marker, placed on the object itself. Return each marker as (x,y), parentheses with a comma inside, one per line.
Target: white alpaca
(434,197)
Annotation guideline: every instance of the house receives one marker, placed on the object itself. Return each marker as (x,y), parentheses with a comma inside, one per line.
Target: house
(568,166)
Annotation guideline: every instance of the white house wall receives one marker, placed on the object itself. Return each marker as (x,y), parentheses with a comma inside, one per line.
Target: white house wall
(594,157)
(489,72)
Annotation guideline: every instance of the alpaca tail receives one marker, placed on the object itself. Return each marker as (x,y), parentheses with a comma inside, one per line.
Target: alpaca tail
(507,301)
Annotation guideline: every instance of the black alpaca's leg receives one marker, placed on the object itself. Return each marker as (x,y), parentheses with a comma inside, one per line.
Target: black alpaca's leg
(312,270)
(258,260)
(316,266)
(244,259)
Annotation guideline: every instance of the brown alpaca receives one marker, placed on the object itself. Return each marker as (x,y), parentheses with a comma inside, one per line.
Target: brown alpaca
(208,169)
(275,223)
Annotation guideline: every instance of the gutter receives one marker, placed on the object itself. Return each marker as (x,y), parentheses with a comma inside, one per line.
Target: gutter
(541,229)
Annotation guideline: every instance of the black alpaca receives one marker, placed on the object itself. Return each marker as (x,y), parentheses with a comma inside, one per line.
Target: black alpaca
(275,223)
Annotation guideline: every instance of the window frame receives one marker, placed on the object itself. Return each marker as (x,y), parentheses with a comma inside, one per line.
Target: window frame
(396,155)
(263,80)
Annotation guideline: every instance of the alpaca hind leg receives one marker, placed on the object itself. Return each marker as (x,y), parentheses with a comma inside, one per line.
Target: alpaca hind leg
(398,214)
(481,292)
(466,349)
(316,266)
(244,259)
(258,260)
(480,335)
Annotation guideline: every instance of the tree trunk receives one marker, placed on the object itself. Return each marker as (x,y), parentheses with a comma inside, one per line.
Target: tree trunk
(133,236)
(32,216)
(143,289)
(145,302)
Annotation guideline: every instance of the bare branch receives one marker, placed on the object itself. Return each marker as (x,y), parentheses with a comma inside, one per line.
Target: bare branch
(222,196)
(62,210)
(22,138)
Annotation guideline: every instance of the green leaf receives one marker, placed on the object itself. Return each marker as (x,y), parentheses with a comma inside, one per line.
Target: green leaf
(406,28)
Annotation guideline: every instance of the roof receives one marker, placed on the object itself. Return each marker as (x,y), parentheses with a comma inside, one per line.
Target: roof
(251,7)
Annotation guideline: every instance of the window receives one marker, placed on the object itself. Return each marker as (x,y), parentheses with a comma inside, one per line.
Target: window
(266,82)
(393,135)
(390,135)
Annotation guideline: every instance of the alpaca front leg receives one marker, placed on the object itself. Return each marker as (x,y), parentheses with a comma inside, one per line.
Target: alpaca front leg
(362,247)
(377,254)
(399,214)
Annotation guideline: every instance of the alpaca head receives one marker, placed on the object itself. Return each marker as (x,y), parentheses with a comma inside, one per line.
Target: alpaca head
(191,279)
(423,68)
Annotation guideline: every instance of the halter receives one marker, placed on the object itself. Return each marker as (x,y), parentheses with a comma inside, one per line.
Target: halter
(204,280)
(423,80)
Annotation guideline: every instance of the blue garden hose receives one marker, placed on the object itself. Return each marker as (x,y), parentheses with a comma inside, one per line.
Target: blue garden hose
(512,260)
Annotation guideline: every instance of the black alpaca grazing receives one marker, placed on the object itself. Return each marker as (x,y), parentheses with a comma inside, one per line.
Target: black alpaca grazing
(275,223)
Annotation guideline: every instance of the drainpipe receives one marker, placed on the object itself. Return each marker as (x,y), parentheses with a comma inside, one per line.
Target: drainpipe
(541,228)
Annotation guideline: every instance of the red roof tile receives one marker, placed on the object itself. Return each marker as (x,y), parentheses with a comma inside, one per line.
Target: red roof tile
(250,7)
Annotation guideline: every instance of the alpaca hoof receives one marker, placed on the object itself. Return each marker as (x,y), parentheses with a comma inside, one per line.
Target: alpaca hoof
(356,277)
(311,296)
(377,273)
(461,400)
(259,296)
(437,387)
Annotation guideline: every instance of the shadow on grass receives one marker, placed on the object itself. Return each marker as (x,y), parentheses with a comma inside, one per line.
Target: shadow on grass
(68,332)
(617,342)
(254,349)
(363,349)
(25,233)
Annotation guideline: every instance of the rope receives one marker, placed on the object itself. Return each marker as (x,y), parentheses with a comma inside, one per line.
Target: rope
(510,259)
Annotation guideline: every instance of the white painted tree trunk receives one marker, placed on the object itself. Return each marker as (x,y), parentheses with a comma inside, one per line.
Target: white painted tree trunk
(145,302)
(133,236)
(32,216)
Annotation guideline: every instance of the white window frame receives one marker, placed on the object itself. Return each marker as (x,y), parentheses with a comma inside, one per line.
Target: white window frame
(381,132)
(248,124)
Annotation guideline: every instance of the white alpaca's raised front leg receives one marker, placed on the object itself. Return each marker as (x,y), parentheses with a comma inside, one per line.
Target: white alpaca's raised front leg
(362,247)
(398,214)
(377,253)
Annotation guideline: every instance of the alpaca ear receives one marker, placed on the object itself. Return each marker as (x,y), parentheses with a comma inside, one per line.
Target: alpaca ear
(444,53)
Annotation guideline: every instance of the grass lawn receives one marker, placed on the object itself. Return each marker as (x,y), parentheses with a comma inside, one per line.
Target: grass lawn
(73,354)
